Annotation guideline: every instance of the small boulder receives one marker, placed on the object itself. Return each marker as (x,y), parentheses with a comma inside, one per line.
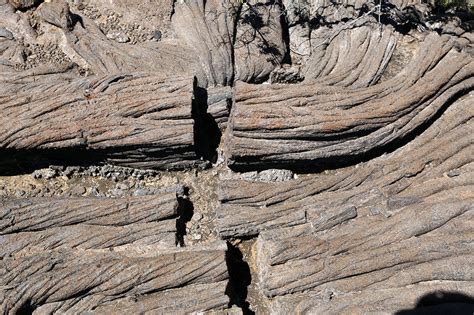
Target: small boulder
(57,13)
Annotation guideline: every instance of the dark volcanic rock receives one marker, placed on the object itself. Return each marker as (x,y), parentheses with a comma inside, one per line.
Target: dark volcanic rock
(124,125)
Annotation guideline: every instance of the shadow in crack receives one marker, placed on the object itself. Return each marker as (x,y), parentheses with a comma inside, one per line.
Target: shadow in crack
(26,309)
(442,302)
(239,279)
(207,134)
(185,212)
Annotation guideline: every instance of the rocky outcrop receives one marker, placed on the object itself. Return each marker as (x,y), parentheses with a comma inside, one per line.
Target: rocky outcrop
(350,56)
(301,126)
(398,223)
(311,22)
(259,45)
(423,298)
(84,254)
(191,298)
(75,281)
(437,163)
(129,119)
(124,126)
(84,43)
(371,253)
(42,224)
(207,27)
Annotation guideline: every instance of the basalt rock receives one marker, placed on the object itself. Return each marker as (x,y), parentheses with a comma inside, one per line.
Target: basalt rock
(437,163)
(129,119)
(259,45)
(80,281)
(207,27)
(372,252)
(423,298)
(352,123)
(42,224)
(311,124)
(350,57)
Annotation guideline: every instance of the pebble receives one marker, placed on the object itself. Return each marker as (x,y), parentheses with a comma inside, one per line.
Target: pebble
(141,192)
(251,176)
(20,193)
(157,35)
(454,173)
(69,171)
(58,168)
(198,217)
(196,237)
(276,175)
(117,193)
(50,173)
(123,38)
(120,37)
(78,191)
(46,174)
(122,186)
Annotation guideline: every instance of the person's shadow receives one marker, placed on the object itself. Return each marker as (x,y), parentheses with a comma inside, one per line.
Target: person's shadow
(442,302)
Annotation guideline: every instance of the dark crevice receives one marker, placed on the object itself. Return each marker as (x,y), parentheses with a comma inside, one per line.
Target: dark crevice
(207,134)
(239,279)
(442,302)
(26,309)
(185,212)
(18,162)
(286,38)
(75,18)
(173,9)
